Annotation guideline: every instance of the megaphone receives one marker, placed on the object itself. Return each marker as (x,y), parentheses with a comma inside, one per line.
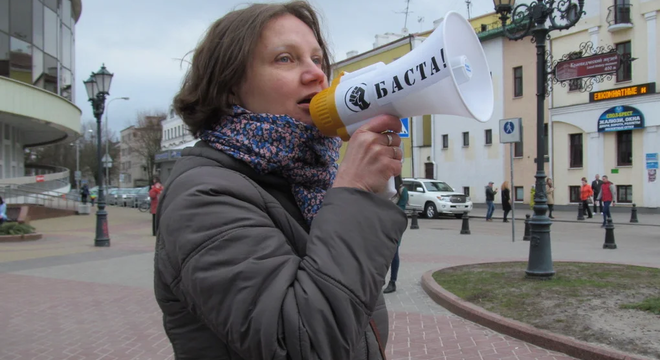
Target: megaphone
(447,74)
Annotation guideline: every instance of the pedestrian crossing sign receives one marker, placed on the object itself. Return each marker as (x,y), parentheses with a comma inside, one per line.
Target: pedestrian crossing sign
(405,128)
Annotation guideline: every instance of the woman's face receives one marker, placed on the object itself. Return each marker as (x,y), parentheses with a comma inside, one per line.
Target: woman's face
(285,71)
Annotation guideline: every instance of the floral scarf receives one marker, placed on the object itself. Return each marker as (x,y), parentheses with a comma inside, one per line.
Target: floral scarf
(283,146)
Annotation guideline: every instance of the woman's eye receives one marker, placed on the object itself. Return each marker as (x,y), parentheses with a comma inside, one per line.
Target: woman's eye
(284,59)
(317,61)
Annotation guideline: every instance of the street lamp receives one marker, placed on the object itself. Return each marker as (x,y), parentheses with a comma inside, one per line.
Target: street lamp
(98,87)
(538,19)
(107,140)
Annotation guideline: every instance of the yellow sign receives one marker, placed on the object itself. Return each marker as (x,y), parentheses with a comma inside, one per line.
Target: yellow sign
(624,92)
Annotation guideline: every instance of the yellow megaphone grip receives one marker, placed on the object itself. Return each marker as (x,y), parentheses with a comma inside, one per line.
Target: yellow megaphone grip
(324,110)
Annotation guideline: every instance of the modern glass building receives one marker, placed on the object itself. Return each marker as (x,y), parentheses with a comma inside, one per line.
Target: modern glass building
(37,62)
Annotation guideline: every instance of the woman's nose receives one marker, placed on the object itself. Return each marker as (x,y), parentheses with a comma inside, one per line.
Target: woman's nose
(313,73)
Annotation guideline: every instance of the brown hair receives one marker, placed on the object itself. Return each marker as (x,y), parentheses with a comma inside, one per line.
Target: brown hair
(220,60)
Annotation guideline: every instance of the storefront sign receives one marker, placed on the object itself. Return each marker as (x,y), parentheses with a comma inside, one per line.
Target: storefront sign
(652,160)
(620,118)
(624,92)
(615,171)
(594,65)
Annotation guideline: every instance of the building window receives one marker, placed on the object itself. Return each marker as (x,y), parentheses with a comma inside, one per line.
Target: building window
(624,148)
(519,193)
(517,81)
(624,193)
(466,139)
(445,141)
(575,150)
(466,190)
(575,84)
(574,194)
(489,136)
(625,71)
(518,149)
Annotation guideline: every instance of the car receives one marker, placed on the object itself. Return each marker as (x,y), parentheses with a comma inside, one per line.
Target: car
(434,197)
(141,196)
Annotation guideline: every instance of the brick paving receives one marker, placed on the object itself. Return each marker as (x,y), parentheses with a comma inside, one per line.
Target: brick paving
(62,298)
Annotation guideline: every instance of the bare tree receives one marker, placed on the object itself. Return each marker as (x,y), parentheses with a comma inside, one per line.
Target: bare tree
(147,139)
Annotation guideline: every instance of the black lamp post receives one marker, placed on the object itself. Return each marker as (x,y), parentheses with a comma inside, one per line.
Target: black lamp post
(98,87)
(538,19)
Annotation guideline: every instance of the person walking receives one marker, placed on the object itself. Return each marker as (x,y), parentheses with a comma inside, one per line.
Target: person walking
(550,195)
(586,193)
(401,201)
(607,195)
(84,193)
(506,199)
(154,193)
(490,198)
(595,186)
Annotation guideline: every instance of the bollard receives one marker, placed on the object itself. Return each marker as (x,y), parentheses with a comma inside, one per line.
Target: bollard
(580,211)
(413,223)
(633,214)
(609,235)
(465,228)
(528,231)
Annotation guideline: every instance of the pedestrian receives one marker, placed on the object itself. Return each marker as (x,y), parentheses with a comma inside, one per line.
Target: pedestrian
(595,186)
(490,198)
(84,193)
(154,194)
(401,201)
(586,195)
(506,199)
(550,195)
(266,247)
(607,195)
(3,211)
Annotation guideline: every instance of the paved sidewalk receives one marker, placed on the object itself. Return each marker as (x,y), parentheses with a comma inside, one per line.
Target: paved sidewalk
(62,298)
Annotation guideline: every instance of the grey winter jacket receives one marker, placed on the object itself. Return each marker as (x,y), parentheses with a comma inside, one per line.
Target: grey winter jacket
(239,275)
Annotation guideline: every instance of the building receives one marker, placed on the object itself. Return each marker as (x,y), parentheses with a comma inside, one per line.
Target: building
(176,137)
(609,128)
(37,82)
(133,167)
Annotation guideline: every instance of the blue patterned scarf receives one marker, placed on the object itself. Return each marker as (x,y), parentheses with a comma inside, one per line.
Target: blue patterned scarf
(283,146)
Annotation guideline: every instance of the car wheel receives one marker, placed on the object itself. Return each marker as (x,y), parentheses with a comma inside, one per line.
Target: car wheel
(458,216)
(430,211)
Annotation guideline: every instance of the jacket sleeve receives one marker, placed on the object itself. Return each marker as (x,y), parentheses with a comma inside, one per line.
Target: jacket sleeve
(247,284)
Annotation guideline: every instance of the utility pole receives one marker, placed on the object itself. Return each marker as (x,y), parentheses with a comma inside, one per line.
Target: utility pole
(469,6)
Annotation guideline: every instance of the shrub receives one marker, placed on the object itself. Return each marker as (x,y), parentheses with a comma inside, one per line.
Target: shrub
(15,229)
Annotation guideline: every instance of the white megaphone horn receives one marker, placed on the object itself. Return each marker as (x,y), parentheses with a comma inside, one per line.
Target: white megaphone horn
(447,74)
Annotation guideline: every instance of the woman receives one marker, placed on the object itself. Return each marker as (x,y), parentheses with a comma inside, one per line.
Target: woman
(506,199)
(265,249)
(550,194)
(585,194)
(154,193)
(401,201)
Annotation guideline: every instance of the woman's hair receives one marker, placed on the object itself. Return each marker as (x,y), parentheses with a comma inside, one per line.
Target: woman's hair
(548,180)
(156,179)
(220,61)
(2,201)
(505,185)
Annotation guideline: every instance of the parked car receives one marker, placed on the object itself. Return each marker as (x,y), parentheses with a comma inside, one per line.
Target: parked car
(141,195)
(435,197)
(128,197)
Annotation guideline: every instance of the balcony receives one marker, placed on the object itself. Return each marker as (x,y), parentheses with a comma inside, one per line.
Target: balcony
(618,17)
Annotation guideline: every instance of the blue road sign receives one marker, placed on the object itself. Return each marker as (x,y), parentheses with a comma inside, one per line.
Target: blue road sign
(405,128)
(509,127)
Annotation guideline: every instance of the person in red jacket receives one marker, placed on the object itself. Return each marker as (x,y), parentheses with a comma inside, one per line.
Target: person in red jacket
(607,195)
(585,194)
(154,193)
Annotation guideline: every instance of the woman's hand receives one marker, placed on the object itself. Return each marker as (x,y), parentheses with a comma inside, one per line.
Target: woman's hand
(372,157)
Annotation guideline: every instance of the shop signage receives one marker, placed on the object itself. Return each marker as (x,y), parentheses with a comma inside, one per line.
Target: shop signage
(620,118)
(651,161)
(624,92)
(594,65)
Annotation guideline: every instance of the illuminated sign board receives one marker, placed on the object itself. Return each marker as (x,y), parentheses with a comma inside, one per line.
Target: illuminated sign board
(624,92)
(620,118)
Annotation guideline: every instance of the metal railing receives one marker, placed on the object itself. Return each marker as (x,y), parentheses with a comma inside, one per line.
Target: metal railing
(619,14)
(15,195)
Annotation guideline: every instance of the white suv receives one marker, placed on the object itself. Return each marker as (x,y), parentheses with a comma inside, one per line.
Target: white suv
(434,197)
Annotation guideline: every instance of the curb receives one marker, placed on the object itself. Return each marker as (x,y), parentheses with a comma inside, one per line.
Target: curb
(19,238)
(516,329)
(568,221)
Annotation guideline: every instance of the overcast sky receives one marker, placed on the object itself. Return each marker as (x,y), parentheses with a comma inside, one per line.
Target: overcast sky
(140,41)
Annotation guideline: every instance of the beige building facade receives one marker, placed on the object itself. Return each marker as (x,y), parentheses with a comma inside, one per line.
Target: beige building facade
(133,168)
(610,128)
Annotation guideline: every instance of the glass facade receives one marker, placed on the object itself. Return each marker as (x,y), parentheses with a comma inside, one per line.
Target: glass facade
(37,43)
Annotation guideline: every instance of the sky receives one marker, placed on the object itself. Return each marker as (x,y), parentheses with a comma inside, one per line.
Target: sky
(142,41)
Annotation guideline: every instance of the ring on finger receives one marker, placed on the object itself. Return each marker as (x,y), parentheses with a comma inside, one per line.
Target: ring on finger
(389,139)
